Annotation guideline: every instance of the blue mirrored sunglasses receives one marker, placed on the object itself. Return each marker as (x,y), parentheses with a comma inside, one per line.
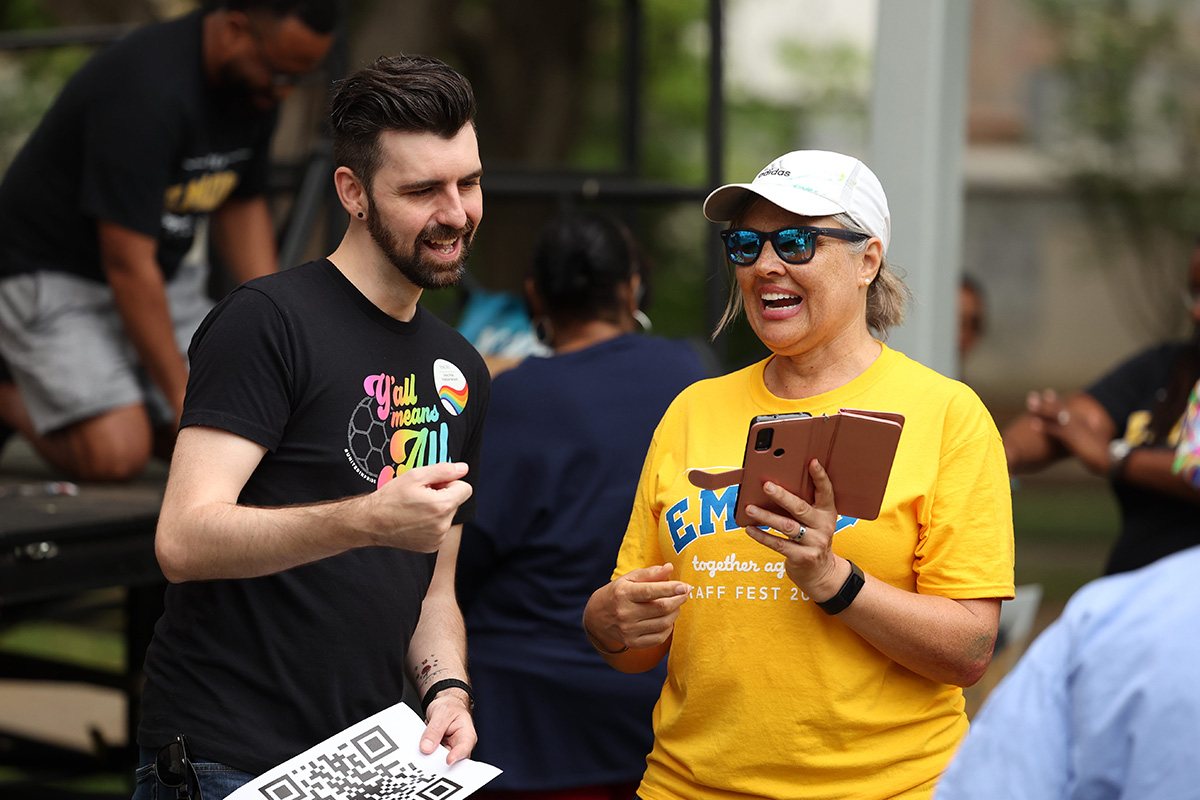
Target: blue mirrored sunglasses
(794,245)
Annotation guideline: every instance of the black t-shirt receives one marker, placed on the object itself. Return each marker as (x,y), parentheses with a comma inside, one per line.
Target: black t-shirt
(138,138)
(1153,524)
(255,671)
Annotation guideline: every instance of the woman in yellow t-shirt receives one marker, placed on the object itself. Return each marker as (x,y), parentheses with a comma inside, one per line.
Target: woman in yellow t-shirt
(822,658)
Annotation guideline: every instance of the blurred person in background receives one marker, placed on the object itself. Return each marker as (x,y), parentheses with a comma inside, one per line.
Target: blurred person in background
(1104,705)
(1125,427)
(563,446)
(166,128)
(822,658)
(972,317)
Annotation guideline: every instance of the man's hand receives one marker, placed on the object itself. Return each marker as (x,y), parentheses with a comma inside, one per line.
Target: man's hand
(448,722)
(415,510)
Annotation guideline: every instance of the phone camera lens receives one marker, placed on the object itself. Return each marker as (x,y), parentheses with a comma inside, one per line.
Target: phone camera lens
(763,440)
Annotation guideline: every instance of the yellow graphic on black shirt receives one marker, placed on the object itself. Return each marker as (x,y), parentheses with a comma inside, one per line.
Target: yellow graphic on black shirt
(201,194)
(1137,430)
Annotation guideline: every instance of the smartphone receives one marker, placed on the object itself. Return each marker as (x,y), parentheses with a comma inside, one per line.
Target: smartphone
(855,447)
(778,449)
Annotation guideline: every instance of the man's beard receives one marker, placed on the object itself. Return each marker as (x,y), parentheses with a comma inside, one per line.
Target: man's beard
(421,272)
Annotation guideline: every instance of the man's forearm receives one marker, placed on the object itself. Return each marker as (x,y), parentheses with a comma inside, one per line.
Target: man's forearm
(204,533)
(437,661)
(130,264)
(226,540)
(438,649)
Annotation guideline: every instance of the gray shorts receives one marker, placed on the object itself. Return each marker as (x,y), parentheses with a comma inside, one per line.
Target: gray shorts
(66,348)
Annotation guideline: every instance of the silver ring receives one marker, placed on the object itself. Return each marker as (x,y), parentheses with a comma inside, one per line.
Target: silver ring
(1064,417)
(799,534)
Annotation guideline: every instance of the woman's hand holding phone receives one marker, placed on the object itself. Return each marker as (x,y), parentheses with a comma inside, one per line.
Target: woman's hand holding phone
(808,527)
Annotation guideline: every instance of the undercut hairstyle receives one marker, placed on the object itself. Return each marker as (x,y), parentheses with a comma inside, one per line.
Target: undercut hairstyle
(580,262)
(887,295)
(319,16)
(406,93)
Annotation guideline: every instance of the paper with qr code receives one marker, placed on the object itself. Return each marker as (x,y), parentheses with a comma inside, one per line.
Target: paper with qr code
(376,759)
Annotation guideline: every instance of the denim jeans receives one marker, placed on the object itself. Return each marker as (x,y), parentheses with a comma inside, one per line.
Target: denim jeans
(217,781)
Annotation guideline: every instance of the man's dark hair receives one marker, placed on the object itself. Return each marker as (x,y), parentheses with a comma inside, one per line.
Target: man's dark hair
(319,16)
(411,94)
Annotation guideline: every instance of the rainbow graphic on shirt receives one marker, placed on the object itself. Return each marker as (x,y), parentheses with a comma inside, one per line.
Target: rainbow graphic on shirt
(392,429)
(1187,453)
(451,386)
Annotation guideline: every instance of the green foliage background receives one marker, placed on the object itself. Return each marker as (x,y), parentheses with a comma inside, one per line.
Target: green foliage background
(832,79)
(1129,134)
(29,80)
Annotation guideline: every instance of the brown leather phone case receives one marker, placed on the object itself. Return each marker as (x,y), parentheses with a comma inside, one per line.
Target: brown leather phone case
(856,447)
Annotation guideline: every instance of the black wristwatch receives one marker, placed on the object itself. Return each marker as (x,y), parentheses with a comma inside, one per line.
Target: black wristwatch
(845,596)
(449,683)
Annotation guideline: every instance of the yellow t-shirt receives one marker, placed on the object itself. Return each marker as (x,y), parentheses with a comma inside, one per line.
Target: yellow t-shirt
(766,695)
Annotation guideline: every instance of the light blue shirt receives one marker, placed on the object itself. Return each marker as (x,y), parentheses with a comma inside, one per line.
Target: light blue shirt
(1106,702)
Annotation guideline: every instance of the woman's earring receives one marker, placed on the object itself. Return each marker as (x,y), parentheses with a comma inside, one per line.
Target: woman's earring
(360,215)
(544,330)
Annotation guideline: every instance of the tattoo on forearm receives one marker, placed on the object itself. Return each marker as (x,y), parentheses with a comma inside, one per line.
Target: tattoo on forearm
(429,672)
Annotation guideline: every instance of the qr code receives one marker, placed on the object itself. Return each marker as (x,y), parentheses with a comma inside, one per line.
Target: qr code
(364,768)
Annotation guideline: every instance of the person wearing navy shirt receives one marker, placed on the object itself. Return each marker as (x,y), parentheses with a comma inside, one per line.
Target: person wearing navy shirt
(563,447)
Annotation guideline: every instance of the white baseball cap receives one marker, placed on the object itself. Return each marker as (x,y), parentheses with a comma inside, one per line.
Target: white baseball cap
(812,183)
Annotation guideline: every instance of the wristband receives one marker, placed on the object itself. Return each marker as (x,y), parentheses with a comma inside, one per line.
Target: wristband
(845,596)
(449,683)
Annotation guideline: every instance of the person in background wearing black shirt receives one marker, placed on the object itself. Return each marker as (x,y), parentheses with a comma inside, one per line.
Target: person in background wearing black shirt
(1125,426)
(165,128)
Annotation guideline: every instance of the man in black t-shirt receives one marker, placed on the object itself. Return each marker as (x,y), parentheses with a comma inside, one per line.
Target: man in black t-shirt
(164,129)
(322,473)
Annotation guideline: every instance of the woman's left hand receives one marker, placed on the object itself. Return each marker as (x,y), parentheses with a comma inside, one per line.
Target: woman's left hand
(809,527)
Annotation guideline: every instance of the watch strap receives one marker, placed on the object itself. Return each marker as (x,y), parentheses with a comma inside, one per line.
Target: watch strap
(845,596)
(440,686)
(1118,453)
